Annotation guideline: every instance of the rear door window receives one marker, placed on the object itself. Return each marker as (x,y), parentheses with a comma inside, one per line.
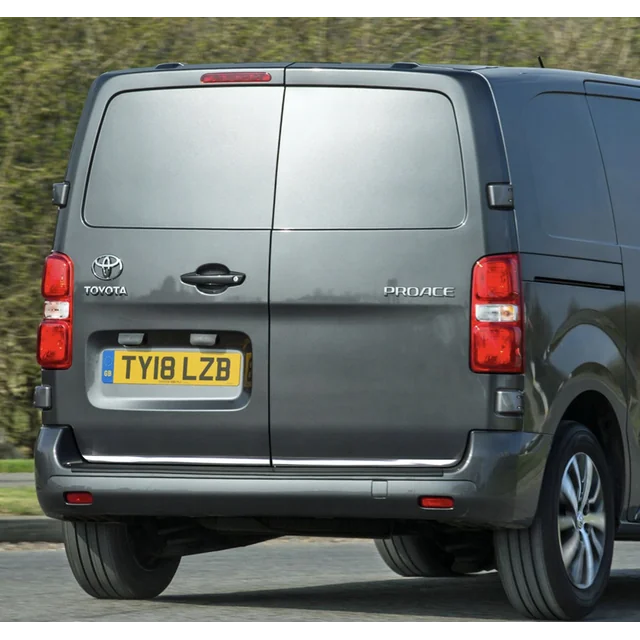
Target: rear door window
(359,158)
(186,158)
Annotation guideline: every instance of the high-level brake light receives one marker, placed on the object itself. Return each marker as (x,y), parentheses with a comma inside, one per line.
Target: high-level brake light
(235,76)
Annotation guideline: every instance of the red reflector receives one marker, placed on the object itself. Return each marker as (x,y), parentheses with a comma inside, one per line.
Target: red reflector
(235,76)
(78,497)
(431,502)
(56,279)
(54,345)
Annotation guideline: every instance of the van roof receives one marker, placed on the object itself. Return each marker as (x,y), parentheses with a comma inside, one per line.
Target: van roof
(519,73)
(490,72)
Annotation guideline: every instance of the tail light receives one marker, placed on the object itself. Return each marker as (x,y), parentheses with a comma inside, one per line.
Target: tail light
(55,333)
(497,316)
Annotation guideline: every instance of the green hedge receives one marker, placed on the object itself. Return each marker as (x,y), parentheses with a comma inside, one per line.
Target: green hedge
(16,466)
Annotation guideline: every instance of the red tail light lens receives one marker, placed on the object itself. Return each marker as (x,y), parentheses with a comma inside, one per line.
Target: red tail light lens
(497,279)
(56,329)
(235,76)
(56,279)
(54,345)
(497,316)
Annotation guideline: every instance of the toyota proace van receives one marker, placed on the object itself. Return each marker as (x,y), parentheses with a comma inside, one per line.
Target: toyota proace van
(396,302)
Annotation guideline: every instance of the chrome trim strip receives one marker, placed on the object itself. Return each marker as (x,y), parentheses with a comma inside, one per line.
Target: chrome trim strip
(312,462)
(172,460)
(278,462)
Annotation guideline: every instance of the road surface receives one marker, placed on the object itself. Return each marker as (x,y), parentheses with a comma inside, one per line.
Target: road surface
(17,480)
(286,580)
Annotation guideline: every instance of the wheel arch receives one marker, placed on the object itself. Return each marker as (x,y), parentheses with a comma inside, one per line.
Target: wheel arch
(599,404)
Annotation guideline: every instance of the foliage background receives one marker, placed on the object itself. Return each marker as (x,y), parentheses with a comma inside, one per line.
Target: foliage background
(49,64)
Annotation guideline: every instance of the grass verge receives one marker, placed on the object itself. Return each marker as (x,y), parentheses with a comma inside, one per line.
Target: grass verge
(19,501)
(16,466)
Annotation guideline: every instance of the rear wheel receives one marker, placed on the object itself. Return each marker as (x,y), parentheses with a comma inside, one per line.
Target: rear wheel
(116,561)
(558,568)
(438,554)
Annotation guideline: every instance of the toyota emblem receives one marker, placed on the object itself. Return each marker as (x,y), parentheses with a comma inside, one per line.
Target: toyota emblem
(107,267)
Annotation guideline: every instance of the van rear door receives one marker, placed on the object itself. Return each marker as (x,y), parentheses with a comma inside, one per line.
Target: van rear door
(168,226)
(377,226)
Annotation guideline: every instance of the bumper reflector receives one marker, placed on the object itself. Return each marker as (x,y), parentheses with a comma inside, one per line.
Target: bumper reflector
(435,502)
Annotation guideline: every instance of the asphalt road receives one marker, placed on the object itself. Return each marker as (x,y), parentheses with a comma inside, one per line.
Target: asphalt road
(17,480)
(286,580)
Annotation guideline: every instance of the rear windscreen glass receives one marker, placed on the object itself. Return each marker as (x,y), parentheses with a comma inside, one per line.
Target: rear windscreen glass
(356,158)
(186,158)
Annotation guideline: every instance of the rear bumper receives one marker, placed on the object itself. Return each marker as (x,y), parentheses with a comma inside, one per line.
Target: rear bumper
(496,484)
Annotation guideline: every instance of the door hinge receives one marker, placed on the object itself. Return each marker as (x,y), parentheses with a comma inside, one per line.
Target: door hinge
(500,196)
(60,194)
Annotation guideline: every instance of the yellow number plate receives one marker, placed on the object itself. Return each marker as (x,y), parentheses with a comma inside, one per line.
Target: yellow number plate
(220,369)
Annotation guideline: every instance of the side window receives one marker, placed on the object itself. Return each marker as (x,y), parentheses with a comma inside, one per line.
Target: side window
(618,126)
(570,185)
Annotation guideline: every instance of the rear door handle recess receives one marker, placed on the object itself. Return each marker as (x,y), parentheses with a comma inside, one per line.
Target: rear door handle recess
(231,279)
(213,278)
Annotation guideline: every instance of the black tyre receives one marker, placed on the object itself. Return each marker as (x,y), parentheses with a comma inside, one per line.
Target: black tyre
(453,553)
(558,568)
(113,561)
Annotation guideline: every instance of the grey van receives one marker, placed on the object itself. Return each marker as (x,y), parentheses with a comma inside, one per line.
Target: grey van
(392,302)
